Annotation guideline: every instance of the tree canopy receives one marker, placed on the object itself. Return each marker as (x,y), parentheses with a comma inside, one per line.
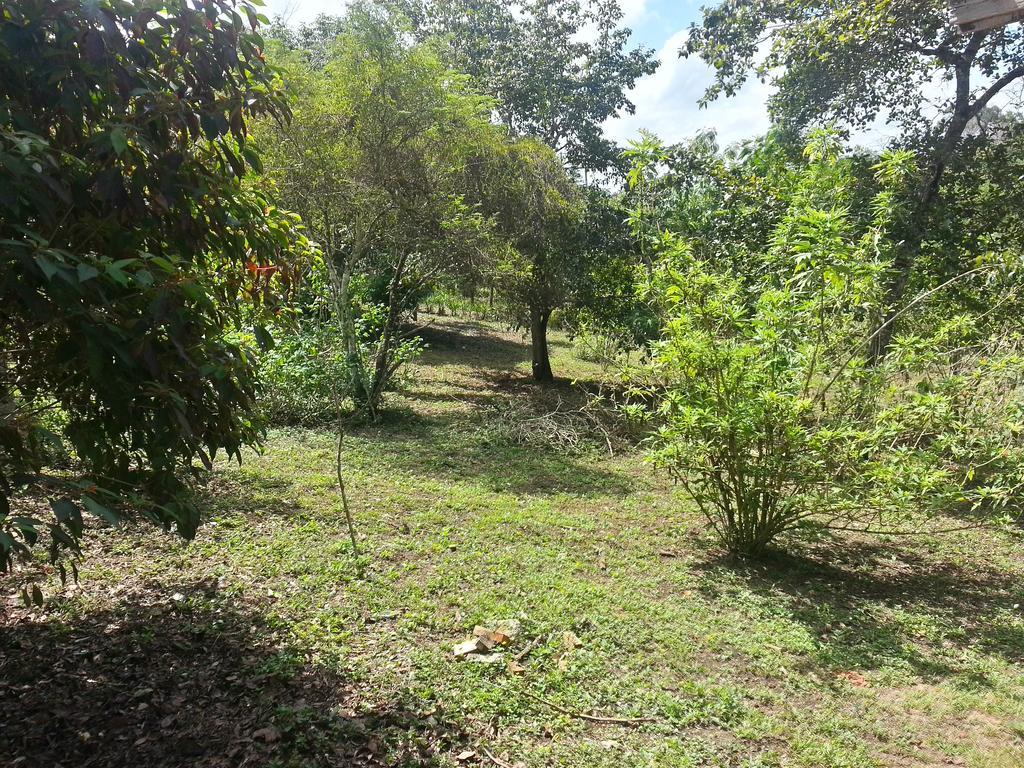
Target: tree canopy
(131,250)
(377,159)
(851,62)
(558,68)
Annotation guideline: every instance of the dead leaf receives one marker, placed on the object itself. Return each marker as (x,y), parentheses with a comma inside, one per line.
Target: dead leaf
(570,641)
(856,679)
(464,756)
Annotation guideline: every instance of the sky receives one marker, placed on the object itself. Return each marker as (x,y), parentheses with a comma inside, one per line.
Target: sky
(666,102)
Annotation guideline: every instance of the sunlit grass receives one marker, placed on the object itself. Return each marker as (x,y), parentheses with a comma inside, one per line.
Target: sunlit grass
(841,653)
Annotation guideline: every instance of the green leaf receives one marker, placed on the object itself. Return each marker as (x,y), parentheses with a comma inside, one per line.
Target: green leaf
(48,267)
(263,337)
(253,158)
(86,272)
(64,509)
(118,141)
(102,512)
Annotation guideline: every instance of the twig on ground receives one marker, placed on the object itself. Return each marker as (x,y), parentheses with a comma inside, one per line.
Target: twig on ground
(529,648)
(415,331)
(564,428)
(496,760)
(344,496)
(589,717)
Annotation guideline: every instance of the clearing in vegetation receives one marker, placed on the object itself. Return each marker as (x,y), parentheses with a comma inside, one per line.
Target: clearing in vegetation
(635,642)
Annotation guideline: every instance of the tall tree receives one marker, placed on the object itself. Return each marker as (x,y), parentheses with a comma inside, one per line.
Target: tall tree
(130,250)
(559,68)
(375,159)
(850,61)
(536,207)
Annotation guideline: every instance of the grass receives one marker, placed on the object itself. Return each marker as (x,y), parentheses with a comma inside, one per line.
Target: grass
(260,643)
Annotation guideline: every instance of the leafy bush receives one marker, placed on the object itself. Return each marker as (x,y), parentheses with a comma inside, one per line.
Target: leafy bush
(304,376)
(130,252)
(596,347)
(772,416)
(307,375)
(445,300)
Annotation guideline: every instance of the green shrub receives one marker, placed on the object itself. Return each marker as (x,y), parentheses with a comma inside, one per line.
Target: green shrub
(596,347)
(303,377)
(771,414)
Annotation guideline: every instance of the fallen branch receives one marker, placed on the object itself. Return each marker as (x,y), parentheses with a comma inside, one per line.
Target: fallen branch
(589,717)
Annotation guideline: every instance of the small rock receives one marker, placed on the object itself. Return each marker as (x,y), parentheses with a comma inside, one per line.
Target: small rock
(476,645)
(268,734)
(490,658)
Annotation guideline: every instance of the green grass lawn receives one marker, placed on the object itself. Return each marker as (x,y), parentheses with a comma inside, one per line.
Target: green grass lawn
(264,642)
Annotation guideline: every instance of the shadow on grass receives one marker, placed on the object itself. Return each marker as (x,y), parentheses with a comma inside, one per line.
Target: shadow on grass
(200,680)
(874,605)
(436,448)
(473,343)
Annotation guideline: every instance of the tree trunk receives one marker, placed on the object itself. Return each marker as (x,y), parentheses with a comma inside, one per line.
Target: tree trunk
(964,110)
(339,267)
(906,255)
(539,342)
(384,365)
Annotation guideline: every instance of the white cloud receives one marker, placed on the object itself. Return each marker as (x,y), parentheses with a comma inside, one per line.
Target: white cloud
(296,11)
(666,103)
(632,11)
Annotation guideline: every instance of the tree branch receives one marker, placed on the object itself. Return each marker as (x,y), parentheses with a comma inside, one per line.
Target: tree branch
(981,102)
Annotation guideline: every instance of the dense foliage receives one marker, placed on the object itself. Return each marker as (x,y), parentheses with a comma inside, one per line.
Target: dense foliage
(828,335)
(376,159)
(853,62)
(770,411)
(130,250)
(558,68)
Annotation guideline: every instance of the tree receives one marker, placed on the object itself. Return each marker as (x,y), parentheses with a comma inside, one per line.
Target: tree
(604,299)
(848,61)
(536,207)
(558,68)
(375,159)
(130,252)
(980,207)
(313,40)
